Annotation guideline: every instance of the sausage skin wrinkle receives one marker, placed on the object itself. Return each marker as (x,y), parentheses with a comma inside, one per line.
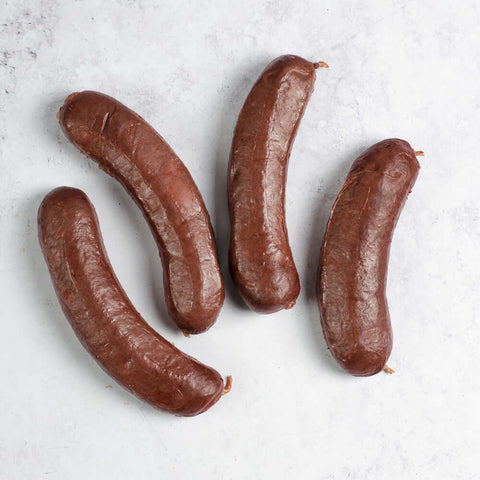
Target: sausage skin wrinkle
(261,262)
(104,319)
(354,258)
(131,151)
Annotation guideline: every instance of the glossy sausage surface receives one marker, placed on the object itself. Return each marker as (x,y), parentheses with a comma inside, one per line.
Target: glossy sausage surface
(104,319)
(261,261)
(354,259)
(131,151)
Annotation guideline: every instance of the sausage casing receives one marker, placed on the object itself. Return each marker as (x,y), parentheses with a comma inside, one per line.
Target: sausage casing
(261,261)
(130,150)
(354,258)
(104,319)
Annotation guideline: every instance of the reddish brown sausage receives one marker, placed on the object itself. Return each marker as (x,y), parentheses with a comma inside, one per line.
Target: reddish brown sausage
(130,150)
(354,258)
(105,321)
(261,261)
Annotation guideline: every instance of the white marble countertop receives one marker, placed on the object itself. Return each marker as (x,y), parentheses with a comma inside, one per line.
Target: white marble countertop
(398,68)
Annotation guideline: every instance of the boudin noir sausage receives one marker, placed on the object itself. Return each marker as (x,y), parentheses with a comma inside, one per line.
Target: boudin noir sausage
(104,319)
(261,261)
(354,258)
(130,150)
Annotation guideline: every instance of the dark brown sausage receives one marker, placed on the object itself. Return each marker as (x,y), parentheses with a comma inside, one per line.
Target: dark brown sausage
(130,150)
(105,321)
(261,261)
(354,258)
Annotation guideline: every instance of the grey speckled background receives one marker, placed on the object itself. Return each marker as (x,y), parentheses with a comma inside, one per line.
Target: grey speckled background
(398,68)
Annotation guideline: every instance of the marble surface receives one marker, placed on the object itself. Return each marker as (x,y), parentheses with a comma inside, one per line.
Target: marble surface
(398,68)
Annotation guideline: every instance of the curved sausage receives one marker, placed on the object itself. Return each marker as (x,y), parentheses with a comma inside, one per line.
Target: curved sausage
(261,261)
(130,150)
(104,319)
(354,258)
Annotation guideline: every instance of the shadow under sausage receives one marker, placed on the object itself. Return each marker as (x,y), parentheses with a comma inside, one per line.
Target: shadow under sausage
(232,99)
(321,206)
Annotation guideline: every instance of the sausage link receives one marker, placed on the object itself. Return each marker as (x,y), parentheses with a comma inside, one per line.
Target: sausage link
(104,319)
(261,261)
(354,259)
(130,150)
